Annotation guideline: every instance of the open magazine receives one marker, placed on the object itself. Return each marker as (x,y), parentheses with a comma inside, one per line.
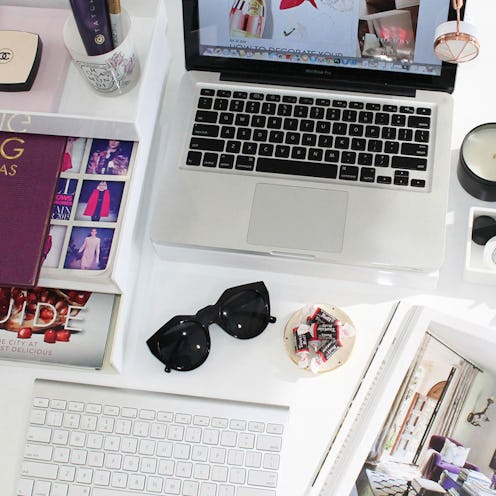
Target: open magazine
(432,378)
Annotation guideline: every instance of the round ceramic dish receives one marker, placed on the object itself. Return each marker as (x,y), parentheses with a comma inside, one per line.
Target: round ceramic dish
(347,336)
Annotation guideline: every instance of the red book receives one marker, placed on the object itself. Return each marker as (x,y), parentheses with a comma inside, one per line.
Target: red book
(29,169)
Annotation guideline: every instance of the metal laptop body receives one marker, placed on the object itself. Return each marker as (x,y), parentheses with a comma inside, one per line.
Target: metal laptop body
(342,222)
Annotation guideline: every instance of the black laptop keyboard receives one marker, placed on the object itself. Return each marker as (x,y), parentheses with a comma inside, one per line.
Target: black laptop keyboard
(336,139)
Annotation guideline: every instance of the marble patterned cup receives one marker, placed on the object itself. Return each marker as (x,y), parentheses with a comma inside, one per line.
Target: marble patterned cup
(112,73)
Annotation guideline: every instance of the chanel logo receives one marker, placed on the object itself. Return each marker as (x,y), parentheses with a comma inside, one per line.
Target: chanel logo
(6,55)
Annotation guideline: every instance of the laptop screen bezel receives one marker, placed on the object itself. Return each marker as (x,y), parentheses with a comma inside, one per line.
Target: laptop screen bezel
(291,73)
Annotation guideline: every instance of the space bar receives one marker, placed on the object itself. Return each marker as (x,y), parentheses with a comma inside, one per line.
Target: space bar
(242,491)
(99,491)
(297,167)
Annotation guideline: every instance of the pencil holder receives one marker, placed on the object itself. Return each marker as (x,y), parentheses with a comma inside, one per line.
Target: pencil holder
(112,73)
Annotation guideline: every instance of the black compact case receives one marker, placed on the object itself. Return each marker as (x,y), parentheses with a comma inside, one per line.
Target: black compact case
(20,56)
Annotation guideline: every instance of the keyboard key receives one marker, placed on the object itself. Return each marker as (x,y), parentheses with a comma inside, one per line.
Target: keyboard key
(24,487)
(381,118)
(209,144)
(409,163)
(41,402)
(210,130)
(381,160)
(419,121)
(384,180)
(221,104)
(205,103)
(419,150)
(38,416)
(58,404)
(262,478)
(282,151)
(38,452)
(205,116)
(39,470)
(276,136)
(266,149)
(422,136)
(245,162)
(39,434)
(367,174)
(424,111)
(300,111)
(268,443)
(348,172)
(226,161)
(226,118)
(356,105)
(417,183)
(248,491)
(299,168)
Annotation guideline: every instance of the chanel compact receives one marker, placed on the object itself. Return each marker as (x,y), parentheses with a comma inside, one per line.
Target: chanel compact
(20,55)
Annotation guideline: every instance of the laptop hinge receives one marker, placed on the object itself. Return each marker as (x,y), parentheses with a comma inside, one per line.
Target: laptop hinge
(379,87)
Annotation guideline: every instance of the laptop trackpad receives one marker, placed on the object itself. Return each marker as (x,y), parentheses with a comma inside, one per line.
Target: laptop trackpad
(298,217)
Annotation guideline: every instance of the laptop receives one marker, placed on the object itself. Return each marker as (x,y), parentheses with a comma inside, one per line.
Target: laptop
(312,129)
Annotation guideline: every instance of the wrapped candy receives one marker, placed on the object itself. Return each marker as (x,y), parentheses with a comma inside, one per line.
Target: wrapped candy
(317,335)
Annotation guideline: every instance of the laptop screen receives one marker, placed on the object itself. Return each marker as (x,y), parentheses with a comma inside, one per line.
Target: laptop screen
(388,41)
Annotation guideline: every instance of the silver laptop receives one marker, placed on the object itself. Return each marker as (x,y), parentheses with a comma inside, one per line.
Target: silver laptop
(313,129)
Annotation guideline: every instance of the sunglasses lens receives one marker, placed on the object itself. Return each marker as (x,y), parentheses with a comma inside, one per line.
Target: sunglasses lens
(245,314)
(184,346)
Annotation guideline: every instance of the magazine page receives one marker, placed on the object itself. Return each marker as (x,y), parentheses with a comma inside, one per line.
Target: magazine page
(61,326)
(422,418)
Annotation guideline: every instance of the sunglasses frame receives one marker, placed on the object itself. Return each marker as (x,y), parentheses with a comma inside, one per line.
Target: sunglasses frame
(207,316)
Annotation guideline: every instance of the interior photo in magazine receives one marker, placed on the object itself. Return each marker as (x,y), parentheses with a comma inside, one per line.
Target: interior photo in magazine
(439,435)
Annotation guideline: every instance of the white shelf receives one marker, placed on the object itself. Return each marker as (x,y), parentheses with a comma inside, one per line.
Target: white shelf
(61,102)
(475,269)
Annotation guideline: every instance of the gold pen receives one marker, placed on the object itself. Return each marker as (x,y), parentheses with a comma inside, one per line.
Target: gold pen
(114,7)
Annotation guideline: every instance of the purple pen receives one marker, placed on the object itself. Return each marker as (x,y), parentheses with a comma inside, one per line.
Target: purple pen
(92,20)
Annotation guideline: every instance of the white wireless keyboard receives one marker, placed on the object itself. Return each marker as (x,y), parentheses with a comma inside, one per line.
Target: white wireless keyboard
(85,440)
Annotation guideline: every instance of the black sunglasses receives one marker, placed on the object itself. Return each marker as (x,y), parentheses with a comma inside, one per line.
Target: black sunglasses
(183,343)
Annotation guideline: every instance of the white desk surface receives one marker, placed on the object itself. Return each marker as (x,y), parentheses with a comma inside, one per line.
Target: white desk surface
(259,370)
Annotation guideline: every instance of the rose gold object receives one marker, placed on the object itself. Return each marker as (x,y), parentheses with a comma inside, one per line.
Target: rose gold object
(456,41)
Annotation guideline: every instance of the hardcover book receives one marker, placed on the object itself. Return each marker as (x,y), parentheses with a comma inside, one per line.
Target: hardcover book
(29,169)
(57,326)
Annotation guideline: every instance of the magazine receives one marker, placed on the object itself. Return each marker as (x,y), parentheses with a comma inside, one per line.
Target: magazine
(431,378)
(87,211)
(55,325)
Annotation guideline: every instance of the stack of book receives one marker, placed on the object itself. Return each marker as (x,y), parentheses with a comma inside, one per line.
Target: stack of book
(477,488)
(467,475)
(77,189)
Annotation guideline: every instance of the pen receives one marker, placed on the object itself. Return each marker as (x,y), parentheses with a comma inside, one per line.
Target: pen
(115,21)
